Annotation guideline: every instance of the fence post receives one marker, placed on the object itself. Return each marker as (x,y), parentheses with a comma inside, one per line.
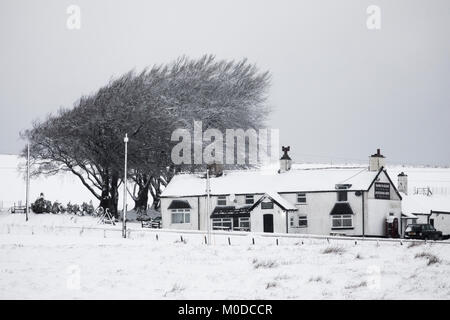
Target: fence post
(157,237)
(277,241)
(206,241)
(181,237)
(253,241)
(229,241)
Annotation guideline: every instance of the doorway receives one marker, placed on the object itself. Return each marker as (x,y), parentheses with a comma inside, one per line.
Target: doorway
(268,222)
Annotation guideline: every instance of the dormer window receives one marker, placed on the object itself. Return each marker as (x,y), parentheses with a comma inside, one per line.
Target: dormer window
(342,196)
(222,200)
(342,193)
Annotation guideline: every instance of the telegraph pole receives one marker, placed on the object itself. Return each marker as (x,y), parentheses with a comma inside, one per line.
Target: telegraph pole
(124,216)
(27,199)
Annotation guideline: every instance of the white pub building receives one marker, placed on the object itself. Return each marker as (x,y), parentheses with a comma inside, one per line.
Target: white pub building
(360,201)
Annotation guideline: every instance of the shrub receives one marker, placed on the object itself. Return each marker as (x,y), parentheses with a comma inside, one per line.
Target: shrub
(41,206)
(432,259)
(415,244)
(316,279)
(75,208)
(266,264)
(336,250)
(87,208)
(271,285)
(69,208)
(355,286)
(56,207)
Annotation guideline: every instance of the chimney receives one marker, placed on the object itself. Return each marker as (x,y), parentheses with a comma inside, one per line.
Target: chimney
(285,160)
(215,169)
(376,161)
(402,185)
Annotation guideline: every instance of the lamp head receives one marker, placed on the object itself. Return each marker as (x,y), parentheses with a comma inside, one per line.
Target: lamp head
(126,138)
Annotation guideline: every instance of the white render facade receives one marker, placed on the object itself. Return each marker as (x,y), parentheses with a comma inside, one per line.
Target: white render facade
(324,201)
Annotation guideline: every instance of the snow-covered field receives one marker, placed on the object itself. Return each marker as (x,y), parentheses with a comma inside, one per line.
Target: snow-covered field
(38,260)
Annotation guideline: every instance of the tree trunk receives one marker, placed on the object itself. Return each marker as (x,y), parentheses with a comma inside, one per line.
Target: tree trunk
(141,201)
(156,193)
(114,194)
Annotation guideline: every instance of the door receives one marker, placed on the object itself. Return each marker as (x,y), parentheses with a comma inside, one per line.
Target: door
(268,222)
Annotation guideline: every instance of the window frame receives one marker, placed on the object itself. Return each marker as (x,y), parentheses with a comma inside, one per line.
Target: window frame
(341,218)
(301,195)
(241,220)
(221,198)
(221,221)
(185,214)
(247,197)
(302,218)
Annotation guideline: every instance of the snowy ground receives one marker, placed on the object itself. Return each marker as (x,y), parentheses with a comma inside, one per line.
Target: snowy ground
(39,260)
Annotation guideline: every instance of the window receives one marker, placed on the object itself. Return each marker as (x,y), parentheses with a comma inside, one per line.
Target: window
(342,196)
(181,216)
(267,205)
(249,199)
(291,221)
(222,200)
(244,223)
(342,221)
(222,224)
(302,221)
(301,197)
(382,190)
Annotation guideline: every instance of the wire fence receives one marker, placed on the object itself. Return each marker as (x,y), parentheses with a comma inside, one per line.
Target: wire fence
(198,237)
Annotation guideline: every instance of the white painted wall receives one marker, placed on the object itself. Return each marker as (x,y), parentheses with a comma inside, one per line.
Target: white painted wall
(257,219)
(317,210)
(378,209)
(441,222)
(166,214)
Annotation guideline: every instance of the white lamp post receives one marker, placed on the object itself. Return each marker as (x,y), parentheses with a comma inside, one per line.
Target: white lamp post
(27,202)
(124,216)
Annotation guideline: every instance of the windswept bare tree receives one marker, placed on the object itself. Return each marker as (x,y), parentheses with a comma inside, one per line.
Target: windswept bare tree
(87,140)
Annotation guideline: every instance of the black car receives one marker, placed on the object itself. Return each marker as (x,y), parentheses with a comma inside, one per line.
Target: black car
(423,231)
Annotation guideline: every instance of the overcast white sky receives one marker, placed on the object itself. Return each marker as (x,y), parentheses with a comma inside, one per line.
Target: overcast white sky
(339,90)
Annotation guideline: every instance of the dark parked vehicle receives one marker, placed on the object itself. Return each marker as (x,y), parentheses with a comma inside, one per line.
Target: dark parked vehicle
(422,231)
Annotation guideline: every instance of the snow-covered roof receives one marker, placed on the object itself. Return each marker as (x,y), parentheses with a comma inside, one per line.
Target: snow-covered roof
(409,215)
(285,204)
(263,181)
(418,203)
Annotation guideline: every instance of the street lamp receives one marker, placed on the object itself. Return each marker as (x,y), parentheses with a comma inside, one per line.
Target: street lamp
(124,216)
(27,201)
